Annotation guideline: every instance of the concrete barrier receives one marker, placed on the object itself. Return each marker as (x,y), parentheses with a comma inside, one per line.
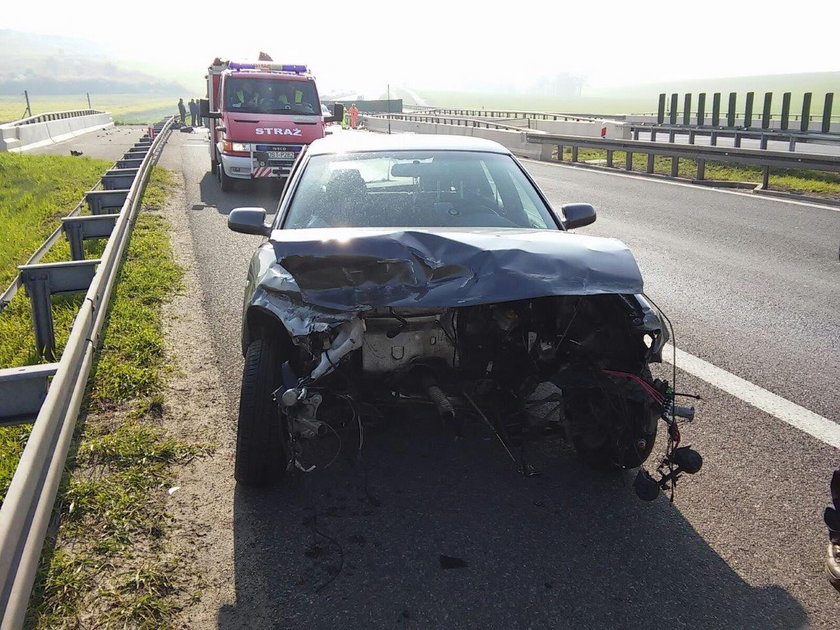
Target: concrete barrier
(46,129)
(515,141)
(590,129)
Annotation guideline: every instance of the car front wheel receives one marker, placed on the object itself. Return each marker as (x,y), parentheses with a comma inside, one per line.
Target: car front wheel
(261,437)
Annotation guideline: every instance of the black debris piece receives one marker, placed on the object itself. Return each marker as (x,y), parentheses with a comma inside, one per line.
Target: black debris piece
(448,562)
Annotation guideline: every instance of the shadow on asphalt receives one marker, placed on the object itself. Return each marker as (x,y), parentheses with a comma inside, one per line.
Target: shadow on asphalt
(264,193)
(566,549)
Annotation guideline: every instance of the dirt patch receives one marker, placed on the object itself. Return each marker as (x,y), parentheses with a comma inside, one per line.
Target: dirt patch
(195,409)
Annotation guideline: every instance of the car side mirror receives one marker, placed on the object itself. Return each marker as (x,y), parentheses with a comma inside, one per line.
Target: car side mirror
(338,114)
(578,214)
(249,221)
(204,107)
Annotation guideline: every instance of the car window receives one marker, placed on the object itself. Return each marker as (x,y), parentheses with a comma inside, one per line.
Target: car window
(416,189)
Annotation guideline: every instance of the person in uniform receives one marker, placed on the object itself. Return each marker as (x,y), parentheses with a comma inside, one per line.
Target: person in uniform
(182,110)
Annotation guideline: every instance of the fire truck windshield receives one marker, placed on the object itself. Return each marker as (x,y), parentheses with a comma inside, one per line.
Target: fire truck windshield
(271,96)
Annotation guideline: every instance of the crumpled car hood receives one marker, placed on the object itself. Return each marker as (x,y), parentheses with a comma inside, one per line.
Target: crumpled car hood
(349,269)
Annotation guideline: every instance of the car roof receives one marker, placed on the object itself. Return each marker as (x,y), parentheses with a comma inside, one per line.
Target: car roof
(360,141)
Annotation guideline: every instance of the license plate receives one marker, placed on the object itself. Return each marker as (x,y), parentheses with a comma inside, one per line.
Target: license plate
(280,155)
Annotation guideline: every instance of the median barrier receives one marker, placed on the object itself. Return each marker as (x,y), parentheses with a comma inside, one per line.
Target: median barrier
(46,129)
(515,141)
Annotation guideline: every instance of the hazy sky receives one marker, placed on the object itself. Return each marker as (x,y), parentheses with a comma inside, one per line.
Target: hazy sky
(429,43)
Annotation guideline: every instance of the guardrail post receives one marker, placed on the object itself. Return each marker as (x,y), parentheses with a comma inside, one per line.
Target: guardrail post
(687,109)
(792,143)
(765,113)
(826,118)
(701,170)
(673,112)
(737,140)
(574,153)
(805,124)
(73,232)
(22,391)
(765,178)
(762,143)
(628,163)
(701,109)
(560,150)
(79,229)
(748,110)
(675,166)
(660,112)
(41,282)
(37,288)
(730,113)
(609,158)
(691,135)
(785,111)
(635,133)
(716,109)
(713,138)
(650,162)
(104,201)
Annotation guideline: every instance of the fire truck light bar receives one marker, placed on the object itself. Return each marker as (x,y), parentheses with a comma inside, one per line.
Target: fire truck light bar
(297,69)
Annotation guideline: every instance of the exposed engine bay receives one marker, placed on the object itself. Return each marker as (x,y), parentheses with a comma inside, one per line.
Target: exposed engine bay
(582,357)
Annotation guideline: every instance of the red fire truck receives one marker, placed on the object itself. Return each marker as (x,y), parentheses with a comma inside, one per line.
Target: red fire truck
(261,115)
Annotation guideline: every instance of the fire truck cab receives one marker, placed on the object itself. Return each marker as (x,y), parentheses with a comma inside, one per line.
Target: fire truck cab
(262,114)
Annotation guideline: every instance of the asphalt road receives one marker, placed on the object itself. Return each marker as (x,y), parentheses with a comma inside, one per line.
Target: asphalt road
(752,286)
(101,144)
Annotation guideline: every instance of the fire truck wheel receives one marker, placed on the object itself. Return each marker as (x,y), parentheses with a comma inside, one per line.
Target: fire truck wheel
(225,180)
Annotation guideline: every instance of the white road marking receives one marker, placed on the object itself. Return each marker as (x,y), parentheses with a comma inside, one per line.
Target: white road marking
(811,423)
(641,176)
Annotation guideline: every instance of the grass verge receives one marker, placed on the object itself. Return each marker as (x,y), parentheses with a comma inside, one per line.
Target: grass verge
(35,190)
(106,566)
(804,182)
(128,108)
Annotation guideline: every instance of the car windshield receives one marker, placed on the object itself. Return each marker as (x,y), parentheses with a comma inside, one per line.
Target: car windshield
(416,189)
(271,96)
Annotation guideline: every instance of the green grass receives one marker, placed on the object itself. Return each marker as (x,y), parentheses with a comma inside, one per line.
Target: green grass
(805,182)
(126,108)
(35,191)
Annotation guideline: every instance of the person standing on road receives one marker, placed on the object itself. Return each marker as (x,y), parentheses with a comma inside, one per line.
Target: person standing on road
(832,520)
(197,122)
(182,110)
(354,116)
(193,113)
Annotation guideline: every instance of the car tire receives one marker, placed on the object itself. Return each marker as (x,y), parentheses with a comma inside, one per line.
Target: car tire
(623,452)
(261,436)
(225,180)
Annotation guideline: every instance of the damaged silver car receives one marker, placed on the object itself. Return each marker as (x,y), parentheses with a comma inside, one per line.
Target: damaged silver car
(406,270)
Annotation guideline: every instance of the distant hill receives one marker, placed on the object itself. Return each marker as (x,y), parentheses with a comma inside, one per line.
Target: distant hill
(67,65)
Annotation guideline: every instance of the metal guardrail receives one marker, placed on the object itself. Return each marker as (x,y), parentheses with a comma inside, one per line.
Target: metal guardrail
(460,121)
(747,157)
(50,116)
(762,135)
(26,511)
(509,113)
